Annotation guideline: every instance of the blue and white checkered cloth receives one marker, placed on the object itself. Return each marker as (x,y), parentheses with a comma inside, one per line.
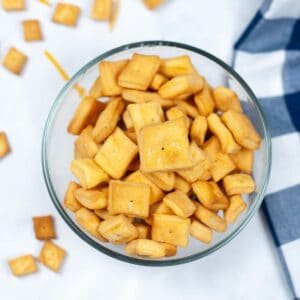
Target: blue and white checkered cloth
(268,56)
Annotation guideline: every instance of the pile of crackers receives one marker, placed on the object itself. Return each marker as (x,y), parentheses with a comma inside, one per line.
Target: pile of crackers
(51,255)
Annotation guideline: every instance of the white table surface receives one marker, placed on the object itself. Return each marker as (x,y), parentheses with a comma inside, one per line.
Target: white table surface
(247,268)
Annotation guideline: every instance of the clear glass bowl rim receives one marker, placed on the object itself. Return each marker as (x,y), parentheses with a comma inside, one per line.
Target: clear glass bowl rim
(51,117)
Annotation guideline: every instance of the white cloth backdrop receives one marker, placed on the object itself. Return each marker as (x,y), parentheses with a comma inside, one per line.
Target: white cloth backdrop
(247,268)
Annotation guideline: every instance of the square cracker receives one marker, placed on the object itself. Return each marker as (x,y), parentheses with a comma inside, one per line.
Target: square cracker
(130,198)
(116,154)
(4,145)
(170,229)
(52,256)
(32,30)
(165,146)
(23,265)
(13,5)
(66,14)
(14,61)
(44,228)
(143,114)
(139,72)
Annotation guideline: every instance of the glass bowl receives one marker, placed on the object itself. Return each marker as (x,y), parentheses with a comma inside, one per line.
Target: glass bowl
(57,147)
